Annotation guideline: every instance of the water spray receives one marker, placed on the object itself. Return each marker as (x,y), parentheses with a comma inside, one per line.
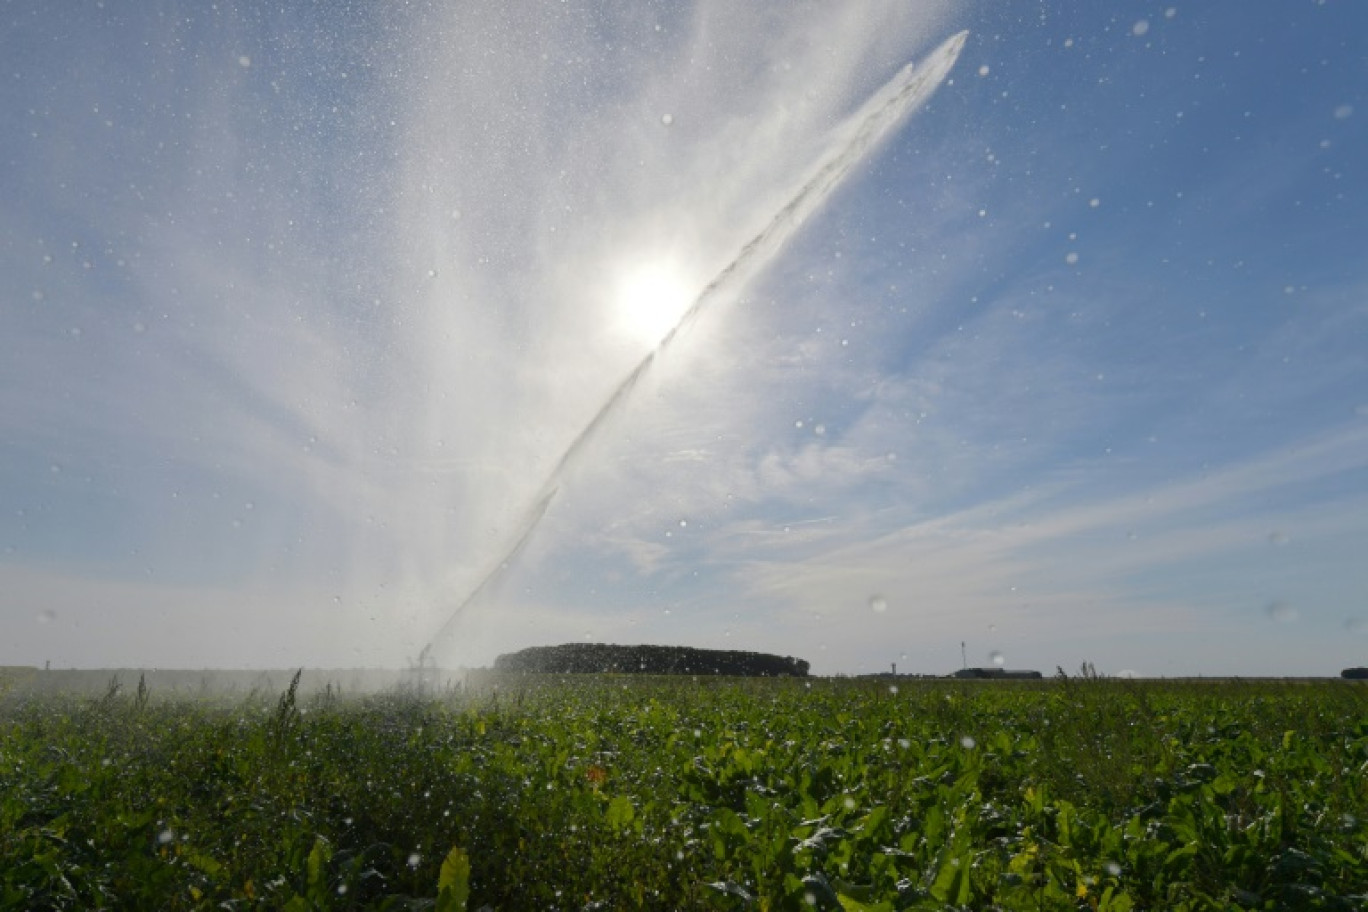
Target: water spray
(889,106)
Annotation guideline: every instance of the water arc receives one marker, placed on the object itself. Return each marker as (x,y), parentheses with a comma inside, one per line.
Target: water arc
(852,143)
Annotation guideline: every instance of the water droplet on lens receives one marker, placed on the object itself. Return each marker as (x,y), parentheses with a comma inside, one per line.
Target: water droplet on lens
(983,70)
(1344,112)
(1282,612)
(1112,868)
(667,119)
(997,658)
(1071,258)
(165,836)
(47,616)
(414,860)
(1140,28)
(878,604)
(968,743)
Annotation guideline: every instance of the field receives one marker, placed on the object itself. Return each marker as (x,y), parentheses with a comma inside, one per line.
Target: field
(654,793)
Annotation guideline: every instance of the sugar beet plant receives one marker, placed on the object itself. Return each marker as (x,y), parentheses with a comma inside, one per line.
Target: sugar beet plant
(637,793)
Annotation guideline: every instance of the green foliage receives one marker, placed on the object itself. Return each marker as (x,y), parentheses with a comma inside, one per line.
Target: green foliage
(637,793)
(453,884)
(620,812)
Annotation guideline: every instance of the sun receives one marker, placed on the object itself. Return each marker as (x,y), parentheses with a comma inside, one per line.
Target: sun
(650,299)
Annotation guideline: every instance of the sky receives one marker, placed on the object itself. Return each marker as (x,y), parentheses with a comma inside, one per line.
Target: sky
(300,310)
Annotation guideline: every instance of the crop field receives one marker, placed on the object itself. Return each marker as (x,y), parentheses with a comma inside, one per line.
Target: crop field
(653,793)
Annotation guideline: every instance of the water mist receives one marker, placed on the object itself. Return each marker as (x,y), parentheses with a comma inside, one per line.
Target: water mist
(851,143)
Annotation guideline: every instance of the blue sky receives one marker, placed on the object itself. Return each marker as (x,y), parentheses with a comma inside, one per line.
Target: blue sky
(298,311)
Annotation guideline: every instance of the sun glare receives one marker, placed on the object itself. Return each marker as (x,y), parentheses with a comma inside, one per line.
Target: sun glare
(651,299)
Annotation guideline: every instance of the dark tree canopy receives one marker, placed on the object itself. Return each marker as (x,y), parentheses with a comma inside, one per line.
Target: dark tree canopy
(596,658)
(1021,674)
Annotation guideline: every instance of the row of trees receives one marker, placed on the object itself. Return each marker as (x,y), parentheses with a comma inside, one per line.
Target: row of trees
(595,658)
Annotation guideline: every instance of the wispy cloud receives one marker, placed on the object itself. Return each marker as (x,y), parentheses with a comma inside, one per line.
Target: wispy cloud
(349,290)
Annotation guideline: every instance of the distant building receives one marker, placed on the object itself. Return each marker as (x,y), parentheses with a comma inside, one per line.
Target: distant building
(997,673)
(1355,673)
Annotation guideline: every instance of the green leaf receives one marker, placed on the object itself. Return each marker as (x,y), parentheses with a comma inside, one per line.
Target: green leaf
(732,888)
(317,867)
(620,812)
(1114,902)
(453,882)
(205,863)
(952,883)
(873,821)
(854,905)
(933,825)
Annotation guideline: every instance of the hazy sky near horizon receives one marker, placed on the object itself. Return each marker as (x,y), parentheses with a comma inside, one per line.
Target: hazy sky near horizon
(300,308)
